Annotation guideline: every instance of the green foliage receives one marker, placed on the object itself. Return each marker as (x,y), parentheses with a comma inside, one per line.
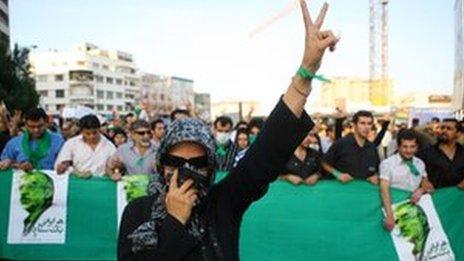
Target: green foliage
(17,86)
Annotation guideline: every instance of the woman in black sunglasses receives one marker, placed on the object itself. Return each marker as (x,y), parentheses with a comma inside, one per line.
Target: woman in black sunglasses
(186,217)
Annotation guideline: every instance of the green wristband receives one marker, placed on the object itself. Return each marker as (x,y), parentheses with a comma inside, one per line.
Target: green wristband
(306,74)
(336,173)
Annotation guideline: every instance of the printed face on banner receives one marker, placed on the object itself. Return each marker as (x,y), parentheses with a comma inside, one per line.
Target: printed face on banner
(418,233)
(38,208)
(130,188)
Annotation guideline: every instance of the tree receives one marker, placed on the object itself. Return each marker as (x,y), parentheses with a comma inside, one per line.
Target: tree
(17,86)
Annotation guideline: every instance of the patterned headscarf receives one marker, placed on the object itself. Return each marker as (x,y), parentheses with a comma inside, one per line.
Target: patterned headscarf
(180,131)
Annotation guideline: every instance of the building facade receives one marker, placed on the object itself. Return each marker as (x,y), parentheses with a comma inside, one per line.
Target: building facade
(458,92)
(166,93)
(4,22)
(203,106)
(86,75)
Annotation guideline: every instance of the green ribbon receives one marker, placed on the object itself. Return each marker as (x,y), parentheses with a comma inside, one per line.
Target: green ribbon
(412,168)
(252,138)
(221,151)
(43,146)
(305,74)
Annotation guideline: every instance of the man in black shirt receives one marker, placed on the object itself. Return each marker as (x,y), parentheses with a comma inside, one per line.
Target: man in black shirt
(185,216)
(445,161)
(354,157)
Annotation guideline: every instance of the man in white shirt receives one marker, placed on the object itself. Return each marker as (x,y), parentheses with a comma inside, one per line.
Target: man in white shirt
(87,153)
(403,171)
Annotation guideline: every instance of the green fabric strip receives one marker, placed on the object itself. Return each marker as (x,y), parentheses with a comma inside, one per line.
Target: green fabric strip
(41,150)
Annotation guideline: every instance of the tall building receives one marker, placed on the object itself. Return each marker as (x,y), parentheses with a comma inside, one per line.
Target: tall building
(458,92)
(346,93)
(203,106)
(166,93)
(4,22)
(86,75)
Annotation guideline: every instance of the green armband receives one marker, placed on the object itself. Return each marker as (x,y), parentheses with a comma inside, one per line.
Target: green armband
(336,173)
(306,74)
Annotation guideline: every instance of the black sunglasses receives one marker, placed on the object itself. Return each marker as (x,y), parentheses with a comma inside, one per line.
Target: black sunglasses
(177,162)
(141,133)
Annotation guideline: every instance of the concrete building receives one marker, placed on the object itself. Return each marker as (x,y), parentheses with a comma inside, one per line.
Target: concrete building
(458,92)
(4,22)
(203,106)
(166,93)
(86,75)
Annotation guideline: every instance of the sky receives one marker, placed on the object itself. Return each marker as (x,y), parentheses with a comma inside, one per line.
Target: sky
(208,41)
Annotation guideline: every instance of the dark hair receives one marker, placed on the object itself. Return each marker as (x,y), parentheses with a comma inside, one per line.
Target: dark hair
(130,114)
(179,111)
(457,124)
(35,114)
(118,131)
(155,122)
(139,124)
(89,122)
(237,126)
(362,113)
(406,134)
(415,121)
(241,131)
(435,119)
(223,120)
(256,122)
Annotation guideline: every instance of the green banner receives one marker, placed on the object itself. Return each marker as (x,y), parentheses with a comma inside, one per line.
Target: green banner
(329,221)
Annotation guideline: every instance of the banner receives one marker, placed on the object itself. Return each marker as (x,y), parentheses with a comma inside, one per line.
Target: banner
(38,208)
(328,221)
(130,188)
(418,233)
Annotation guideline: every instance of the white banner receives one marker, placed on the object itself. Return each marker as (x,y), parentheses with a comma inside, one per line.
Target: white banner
(128,189)
(38,208)
(418,233)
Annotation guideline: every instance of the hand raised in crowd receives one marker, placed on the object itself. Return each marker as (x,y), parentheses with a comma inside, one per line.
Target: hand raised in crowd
(427,186)
(116,175)
(294,179)
(5,164)
(62,167)
(461,185)
(24,166)
(82,174)
(180,200)
(345,178)
(312,180)
(316,41)
(389,223)
(416,195)
(374,179)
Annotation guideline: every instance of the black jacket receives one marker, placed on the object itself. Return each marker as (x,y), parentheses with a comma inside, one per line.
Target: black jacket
(226,202)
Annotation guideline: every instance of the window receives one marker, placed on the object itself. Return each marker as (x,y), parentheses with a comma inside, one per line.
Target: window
(59,93)
(105,67)
(42,78)
(99,78)
(109,95)
(119,95)
(118,81)
(82,63)
(119,107)
(95,65)
(100,94)
(109,80)
(43,93)
(109,107)
(100,107)
(57,107)
(59,77)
